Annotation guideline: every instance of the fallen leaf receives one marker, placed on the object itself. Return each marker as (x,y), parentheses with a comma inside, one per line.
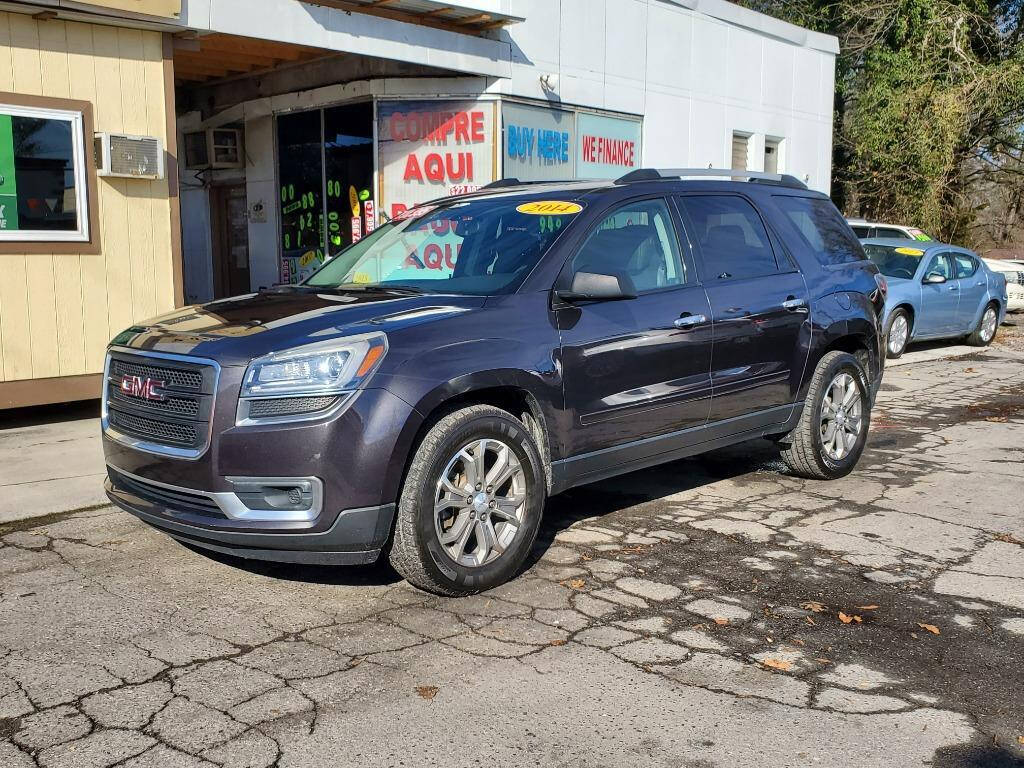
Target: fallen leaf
(823,661)
(558,642)
(812,605)
(1008,538)
(427,692)
(799,642)
(720,621)
(969,370)
(930,627)
(914,635)
(849,619)
(867,607)
(811,621)
(1020,740)
(779,664)
(576,584)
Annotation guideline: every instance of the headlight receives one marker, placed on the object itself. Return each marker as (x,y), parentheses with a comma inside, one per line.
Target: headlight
(308,381)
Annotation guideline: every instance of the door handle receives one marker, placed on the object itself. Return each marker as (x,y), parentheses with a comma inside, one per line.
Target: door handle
(690,321)
(954,288)
(793,304)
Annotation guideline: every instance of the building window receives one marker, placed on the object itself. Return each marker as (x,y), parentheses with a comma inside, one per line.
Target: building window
(325,169)
(773,159)
(43,175)
(740,151)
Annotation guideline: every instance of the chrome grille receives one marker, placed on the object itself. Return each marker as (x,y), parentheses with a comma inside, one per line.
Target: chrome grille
(175,406)
(159,431)
(175,377)
(169,411)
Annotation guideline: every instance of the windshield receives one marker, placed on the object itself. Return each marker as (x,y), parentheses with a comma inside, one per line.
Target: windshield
(895,261)
(479,247)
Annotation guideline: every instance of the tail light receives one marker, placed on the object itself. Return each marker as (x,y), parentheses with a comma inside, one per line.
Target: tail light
(883,286)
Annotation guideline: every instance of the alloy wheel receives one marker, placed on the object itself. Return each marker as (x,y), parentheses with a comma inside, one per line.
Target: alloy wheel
(479,502)
(898,334)
(841,417)
(988,324)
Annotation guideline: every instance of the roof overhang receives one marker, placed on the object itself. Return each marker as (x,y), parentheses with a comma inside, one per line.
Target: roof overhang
(471,17)
(328,26)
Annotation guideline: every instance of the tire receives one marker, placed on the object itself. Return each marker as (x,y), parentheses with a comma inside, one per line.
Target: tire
(985,333)
(805,451)
(897,335)
(450,449)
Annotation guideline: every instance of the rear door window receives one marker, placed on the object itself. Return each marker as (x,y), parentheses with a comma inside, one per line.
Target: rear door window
(732,238)
(822,229)
(965,265)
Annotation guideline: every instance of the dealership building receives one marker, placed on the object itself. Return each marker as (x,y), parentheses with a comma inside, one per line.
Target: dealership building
(155,153)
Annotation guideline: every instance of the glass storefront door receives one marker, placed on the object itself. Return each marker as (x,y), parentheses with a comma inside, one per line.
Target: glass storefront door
(325,168)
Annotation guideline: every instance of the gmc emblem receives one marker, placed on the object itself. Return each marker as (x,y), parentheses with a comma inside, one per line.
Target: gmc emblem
(147,389)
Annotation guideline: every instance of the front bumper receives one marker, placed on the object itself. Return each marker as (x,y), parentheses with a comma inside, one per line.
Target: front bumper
(353,537)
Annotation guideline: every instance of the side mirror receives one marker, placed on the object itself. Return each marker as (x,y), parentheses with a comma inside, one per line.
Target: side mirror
(934,279)
(594,286)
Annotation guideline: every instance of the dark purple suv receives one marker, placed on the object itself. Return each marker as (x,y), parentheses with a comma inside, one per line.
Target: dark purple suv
(424,392)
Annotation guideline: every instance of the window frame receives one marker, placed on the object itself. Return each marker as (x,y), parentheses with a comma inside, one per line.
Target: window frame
(687,267)
(784,262)
(86,238)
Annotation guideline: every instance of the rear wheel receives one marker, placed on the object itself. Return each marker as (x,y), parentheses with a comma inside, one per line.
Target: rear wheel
(833,429)
(983,335)
(898,335)
(471,504)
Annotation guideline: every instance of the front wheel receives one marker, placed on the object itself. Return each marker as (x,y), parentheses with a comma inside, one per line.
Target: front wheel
(983,335)
(471,503)
(833,429)
(899,334)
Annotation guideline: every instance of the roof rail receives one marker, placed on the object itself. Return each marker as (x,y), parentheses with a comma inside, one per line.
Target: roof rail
(756,177)
(500,183)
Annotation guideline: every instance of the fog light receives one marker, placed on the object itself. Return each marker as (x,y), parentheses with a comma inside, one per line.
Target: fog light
(273,494)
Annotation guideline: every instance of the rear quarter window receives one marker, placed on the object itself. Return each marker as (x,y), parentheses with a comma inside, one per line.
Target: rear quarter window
(821,229)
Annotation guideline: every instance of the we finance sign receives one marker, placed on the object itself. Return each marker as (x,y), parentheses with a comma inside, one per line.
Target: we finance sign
(609,147)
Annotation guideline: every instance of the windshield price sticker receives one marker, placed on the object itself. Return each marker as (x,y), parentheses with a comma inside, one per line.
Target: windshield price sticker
(550,208)
(910,251)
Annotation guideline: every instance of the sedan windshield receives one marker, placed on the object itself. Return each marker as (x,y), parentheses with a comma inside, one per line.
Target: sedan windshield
(479,247)
(895,261)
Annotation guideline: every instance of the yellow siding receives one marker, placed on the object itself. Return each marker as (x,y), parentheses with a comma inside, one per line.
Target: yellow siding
(57,312)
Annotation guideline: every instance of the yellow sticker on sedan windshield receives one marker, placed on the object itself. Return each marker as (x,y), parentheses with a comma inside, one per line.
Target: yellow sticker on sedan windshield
(910,251)
(550,208)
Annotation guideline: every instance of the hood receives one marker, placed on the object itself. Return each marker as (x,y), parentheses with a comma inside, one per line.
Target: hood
(236,330)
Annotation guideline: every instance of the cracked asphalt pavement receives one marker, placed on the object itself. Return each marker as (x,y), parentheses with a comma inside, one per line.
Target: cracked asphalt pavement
(712,612)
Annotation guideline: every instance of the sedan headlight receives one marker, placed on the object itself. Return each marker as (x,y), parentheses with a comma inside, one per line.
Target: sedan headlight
(307,382)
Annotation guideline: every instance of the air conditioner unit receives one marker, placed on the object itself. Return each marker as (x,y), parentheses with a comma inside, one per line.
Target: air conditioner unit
(214,148)
(129,157)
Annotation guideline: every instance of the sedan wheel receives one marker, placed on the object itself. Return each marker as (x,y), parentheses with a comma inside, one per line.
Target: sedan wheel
(986,330)
(988,324)
(899,334)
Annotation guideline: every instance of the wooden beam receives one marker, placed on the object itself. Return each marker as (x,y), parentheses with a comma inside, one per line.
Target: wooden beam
(472,19)
(284,51)
(184,70)
(44,15)
(220,58)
